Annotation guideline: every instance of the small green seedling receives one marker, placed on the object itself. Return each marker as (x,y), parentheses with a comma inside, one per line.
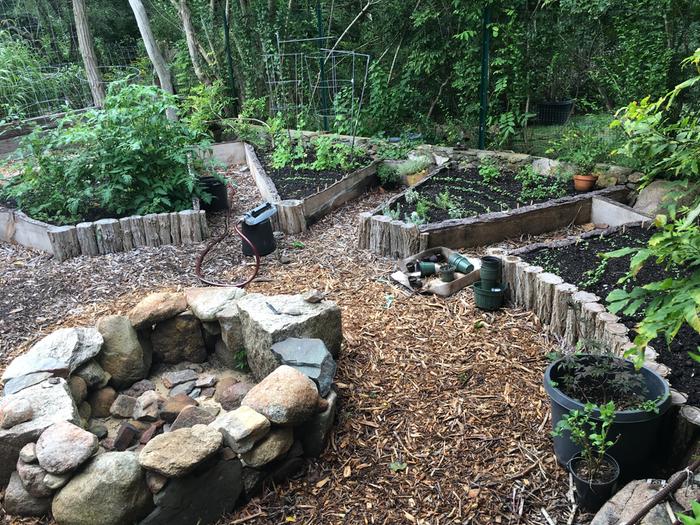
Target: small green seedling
(695,518)
(396,466)
(298,245)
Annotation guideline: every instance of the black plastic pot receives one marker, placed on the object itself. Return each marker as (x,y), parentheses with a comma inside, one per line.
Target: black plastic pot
(490,272)
(217,190)
(553,112)
(591,495)
(488,299)
(257,227)
(447,274)
(637,429)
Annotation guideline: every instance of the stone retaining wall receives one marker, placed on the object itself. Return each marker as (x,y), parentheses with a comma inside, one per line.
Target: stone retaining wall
(103,236)
(141,419)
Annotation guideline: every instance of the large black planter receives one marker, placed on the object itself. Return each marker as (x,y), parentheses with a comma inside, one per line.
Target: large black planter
(554,112)
(217,190)
(637,429)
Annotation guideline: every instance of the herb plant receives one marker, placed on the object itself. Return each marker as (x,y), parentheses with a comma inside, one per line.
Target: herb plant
(388,177)
(489,170)
(590,431)
(394,214)
(126,158)
(537,186)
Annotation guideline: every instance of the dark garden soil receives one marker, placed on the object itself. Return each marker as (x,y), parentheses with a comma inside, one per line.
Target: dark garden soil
(571,264)
(472,194)
(298,183)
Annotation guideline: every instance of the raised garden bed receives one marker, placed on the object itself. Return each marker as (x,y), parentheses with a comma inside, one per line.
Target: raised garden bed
(576,261)
(105,235)
(494,212)
(147,417)
(303,197)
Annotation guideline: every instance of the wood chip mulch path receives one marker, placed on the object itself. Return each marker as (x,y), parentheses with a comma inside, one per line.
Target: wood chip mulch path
(442,420)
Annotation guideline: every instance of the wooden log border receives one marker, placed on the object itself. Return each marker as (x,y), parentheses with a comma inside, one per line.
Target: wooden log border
(569,314)
(478,230)
(105,235)
(296,215)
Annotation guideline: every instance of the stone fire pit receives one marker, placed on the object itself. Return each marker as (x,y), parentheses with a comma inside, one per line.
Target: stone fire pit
(148,418)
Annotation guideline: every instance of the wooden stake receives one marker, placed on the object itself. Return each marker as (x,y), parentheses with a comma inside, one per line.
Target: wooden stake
(138,234)
(544,295)
(109,236)
(561,304)
(164,228)
(64,242)
(127,236)
(86,239)
(151,230)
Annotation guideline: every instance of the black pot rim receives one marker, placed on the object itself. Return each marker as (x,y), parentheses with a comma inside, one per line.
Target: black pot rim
(607,457)
(621,416)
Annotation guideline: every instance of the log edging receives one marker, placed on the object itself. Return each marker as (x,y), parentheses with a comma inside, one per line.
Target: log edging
(105,235)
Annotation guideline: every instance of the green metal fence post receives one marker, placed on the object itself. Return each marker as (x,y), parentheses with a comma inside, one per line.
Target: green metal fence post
(486,37)
(322,66)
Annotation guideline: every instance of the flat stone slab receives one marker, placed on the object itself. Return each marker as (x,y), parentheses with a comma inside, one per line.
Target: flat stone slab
(51,402)
(266,320)
(61,353)
(176,453)
(157,307)
(310,357)
(242,428)
(207,302)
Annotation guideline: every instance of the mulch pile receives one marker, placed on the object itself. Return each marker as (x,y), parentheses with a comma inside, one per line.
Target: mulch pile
(443,417)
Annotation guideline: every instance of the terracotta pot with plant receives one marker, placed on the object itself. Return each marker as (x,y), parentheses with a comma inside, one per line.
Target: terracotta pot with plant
(585,181)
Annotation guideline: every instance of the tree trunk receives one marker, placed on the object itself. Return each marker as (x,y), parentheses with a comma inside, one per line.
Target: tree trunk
(191,37)
(87,51)
(153,51)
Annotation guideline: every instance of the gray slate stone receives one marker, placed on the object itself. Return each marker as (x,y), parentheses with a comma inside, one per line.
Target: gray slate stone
(122,355)
(310,357)
(51,402)
(266,320)
(19,502)
(314,433)
(20,383)
(177,377)
(61,352)
(111,490)
(198,498)
(184,388)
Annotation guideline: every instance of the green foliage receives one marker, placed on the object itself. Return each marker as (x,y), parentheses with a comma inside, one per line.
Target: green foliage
(446,201)
(204,106)
(389,178)
(332,154)
(537,186)
(665,135)
(394,214)
(411,196)
(386,150)
(580,146)
(489,170)
(674,301)
(695,518)
(589,430)
(127,158)
(593,276)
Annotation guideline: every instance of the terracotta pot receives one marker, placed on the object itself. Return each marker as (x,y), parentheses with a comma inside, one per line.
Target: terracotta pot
(584,182)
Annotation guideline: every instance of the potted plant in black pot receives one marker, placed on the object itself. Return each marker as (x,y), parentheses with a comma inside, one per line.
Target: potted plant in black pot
(595,472)
(641,397)
(556,105)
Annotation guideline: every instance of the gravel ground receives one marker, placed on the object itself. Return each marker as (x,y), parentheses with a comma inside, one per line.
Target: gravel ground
(443,418)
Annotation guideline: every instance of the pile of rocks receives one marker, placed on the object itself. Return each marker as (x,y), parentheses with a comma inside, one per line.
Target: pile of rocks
(144,419)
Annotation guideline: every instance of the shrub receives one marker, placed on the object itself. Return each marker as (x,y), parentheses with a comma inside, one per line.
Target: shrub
(388,177)
(583,147)
(127,158)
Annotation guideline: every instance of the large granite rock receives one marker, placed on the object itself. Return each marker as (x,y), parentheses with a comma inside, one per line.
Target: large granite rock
(310,357)
(61,352)
(266,320)
(314,433)
(176,453)
(111,490)
(273,446)
(179,339)
(19,502)
(122,355)
(63,447)
(628,501)
(242,428)
(207,302)
(201,497)
(660,194)
(157,307)
(51,402)
(285,397)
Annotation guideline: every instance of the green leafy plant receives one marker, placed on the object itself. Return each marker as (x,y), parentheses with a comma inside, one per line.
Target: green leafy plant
(695,518)
(126,158)
(204,106)
(411,167)
(583,147)
(674,301)
(423,209)
(411,196)
(415,218)
(388,177)
(489,170)
(593,276)
(589,431)
(394,214)
(537,186)
(446,201)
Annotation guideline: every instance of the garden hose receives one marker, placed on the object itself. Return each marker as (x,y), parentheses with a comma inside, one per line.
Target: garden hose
(214,242)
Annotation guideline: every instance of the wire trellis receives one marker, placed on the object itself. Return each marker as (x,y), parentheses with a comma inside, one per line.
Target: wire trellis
(307,78)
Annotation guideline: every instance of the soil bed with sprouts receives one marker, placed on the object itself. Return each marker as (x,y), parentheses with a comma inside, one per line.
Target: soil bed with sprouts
(577,264)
